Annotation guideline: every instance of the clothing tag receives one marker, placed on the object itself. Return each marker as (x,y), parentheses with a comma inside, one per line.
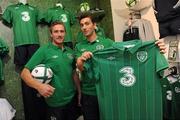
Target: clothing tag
(173,50)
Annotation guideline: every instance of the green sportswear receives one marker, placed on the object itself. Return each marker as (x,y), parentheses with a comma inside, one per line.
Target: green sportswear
(127,78)
(88,87)
(24,20)
(61,63)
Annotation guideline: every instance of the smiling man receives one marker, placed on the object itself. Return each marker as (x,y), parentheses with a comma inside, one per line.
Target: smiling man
(59,93)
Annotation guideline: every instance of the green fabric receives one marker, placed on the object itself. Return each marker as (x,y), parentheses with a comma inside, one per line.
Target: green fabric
(171,97)
(4,49)
(59,14)
(61,63)
(81,37)
(88,87)
(23,18)
(128,81)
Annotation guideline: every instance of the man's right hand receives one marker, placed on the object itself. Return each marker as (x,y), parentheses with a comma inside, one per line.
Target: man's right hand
(45,90)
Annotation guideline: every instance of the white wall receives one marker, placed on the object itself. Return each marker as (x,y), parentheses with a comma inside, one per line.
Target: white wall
(118,20)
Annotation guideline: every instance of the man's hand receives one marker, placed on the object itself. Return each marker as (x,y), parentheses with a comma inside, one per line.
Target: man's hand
(86,55)
(160,43)
(45,90)
(80,61)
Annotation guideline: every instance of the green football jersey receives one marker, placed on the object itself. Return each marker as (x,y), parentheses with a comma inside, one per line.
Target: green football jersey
(24,20)
(88,87)
(128,80)
(59,14)
(173,95)
(4,49)
(61,63)
(167,99)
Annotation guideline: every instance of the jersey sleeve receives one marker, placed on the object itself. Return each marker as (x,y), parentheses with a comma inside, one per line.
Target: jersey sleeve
(91,70)
(161,62)
(36,59)
(4,49)
(7,15)
(48,16)
(40,16)
(77,51)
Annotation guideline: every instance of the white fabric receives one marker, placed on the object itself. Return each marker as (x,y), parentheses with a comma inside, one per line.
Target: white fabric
(23,1)
(7,112)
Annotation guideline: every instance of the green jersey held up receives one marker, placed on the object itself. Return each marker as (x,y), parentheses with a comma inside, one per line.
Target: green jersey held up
(127,77)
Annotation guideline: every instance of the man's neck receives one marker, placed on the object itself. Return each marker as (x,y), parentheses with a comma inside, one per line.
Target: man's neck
(92,38)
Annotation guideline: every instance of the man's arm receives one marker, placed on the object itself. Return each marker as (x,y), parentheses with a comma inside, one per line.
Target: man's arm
(78,85)
(44,89)
(80,60)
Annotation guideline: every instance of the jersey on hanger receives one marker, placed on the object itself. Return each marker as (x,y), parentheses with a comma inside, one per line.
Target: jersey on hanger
(59,14)
(23,18)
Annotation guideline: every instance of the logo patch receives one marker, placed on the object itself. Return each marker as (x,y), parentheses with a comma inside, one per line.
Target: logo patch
(25,16)
(128,79)
(55,56)
(99,47)
(142,56)
(70,56)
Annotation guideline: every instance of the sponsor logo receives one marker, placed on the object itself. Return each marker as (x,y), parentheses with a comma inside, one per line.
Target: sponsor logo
(128,79)
(111,58)
(54,56)
(53,118)
(25,16)
(169,95)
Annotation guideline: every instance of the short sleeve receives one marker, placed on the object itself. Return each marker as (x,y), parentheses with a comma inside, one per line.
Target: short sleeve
(48,16)
(7,15)
(91,70)
(161,62)
(36,59)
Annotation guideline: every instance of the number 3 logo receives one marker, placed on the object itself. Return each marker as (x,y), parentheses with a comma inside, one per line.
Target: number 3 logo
(128,78)
(64,18)
(25,16)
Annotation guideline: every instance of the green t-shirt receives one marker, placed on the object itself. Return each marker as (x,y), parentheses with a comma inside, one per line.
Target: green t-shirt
(24,20)
(128,81)
(81,37)
(88,87)
(61,63)
(4,49)
(59,14)
(171,97)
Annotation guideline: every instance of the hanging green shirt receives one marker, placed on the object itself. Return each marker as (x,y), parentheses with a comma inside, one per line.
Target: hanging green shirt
(4,49)
(23,19)
(128,80)
(61,63)
(59,14)
(88,87)
(171,97)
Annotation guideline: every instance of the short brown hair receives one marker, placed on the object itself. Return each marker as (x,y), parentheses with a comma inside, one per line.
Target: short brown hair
(56,23)
(85,14)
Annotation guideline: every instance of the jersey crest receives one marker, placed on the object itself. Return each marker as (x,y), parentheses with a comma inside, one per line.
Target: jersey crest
(142,56)
(128,79)
(99,47)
